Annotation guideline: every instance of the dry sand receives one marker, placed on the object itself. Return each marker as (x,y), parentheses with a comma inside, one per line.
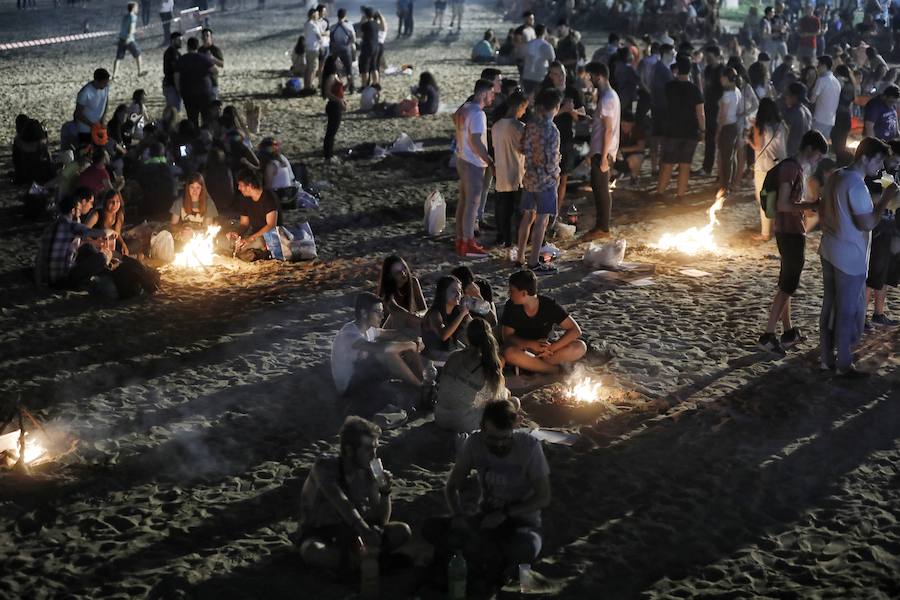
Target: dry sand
(716,472)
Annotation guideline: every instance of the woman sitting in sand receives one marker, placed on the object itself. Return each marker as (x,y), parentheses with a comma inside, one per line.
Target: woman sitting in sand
(111,217)
(195,208)
(471,378)
(401,294)
(427,94)
(477,294)
(298,57)
(444,325)
(278,176)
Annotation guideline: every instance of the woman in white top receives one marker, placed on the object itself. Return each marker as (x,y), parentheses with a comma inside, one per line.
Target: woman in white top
(731,111)
(471,378)
(379,62)
(768,139)
(746,112)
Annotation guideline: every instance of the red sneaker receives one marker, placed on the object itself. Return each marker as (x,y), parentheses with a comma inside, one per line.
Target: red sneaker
(473,249)
(461,247)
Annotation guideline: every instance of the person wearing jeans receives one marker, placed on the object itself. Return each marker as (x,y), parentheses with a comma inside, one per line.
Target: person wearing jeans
(333,90)
(506,139)
(166,8)
(472,159)
(848,216)
(604,146)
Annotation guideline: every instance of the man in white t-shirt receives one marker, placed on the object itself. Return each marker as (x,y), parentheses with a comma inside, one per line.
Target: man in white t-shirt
(826,95)
(90,105)
(472,158)
(604,146)
(312,40)
(848,216)
(538,56)
(362,353)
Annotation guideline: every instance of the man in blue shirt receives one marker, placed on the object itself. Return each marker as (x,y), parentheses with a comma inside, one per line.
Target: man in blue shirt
(881,115)
(126,40)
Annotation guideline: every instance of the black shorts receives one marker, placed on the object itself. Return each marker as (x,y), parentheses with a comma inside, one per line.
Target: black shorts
(880,260)
(678,151)
(792,248)
(129,46)
(367,61)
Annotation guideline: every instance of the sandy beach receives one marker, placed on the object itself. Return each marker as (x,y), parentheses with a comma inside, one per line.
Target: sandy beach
(710,469)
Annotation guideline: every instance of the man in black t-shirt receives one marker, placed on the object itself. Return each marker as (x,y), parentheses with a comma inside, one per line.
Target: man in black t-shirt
(193,79)
(683,129)
(368,46)
(215,54)
(259,214)
(528,321)
(170,62)
(712,93)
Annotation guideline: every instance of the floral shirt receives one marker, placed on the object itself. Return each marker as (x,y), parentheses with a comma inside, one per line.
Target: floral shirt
(540,145)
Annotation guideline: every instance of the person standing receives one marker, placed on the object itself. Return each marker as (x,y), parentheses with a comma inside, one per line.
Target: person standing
(538,56)
(604,146)
(472,158)
(683,128)
(368,48)
(166,8)
(843,119)
(712,93)
(313,42)
(881,115)
(324,30)
(571,109)
(768,139)
(790,234)
(145,12)
(193,81)
(91,104)
(795,115)
(848,215)
(540,146)
(126,40)
(826,95)
(170,65)
(728,125)
(809,27)
(215,54)
(343,44)
(506,139)
(457,8)
(333,92)
(660,74)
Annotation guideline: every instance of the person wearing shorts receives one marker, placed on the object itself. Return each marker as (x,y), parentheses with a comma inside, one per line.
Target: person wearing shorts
(368,47)
(684,128)
(794,199)
(439,7)
(457,7)
(540,145)
(126,40)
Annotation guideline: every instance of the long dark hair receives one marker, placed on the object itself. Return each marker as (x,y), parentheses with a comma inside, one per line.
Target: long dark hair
(426,79)
(465,276)
(440,294)
(328,69)
(767,114)
(299,47)
(387,287)
(480,337)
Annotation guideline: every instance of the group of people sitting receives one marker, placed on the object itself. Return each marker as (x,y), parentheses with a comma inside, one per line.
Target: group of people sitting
(396,335)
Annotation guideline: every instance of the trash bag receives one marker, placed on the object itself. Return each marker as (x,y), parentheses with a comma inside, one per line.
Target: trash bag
(38,203)
(610,254)
(404,143)
(435,213)
(162,246)
(133,278)
(291,244)
(566,232)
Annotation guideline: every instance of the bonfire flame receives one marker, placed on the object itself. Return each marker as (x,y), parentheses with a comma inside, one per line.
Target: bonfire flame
(199,250)
(9,443)
(695,239)
(581,388)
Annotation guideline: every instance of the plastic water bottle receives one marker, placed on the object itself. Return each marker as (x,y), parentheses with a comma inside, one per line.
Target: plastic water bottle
(456,577)
(368,571)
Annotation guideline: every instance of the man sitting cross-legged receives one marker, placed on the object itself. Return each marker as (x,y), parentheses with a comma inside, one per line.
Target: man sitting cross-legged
(528,320)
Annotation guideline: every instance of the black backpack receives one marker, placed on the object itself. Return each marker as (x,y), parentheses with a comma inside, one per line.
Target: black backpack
(768,195)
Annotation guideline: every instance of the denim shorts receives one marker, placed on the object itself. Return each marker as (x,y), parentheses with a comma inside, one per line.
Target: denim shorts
(543,202)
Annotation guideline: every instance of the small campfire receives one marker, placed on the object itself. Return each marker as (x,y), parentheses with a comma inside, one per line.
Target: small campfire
(199,251)
(21,449)
(584,390)
(695,239)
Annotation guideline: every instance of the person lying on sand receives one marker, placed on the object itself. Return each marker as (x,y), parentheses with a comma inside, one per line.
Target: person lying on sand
(343,499)
(527,322)
(259,214)
(444,325)
(515,486)
(470,379)
(401,294)
(362,353)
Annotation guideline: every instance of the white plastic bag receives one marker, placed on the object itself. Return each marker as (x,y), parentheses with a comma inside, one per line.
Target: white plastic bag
(566,232)
(404,143)
(435,213)
(610,254)
(162,246)
(291,244)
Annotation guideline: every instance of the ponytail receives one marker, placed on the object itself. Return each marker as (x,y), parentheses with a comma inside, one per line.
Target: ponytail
(480,337)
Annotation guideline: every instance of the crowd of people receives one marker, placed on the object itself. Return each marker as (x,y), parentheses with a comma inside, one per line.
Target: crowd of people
(779,100)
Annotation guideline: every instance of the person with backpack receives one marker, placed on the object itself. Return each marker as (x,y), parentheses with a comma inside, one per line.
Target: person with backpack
(343,42)
(848,215)
(787,182)
(767,137)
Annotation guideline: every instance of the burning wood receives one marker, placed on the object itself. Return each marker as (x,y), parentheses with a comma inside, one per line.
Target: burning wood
(695,240)
(11,446)
(199,252)
(21,449)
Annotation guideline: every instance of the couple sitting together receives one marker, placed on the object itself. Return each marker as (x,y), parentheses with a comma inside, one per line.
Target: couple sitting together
(389,337)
